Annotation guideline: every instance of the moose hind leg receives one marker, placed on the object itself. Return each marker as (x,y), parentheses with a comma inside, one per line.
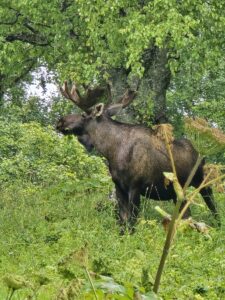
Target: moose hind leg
(207,195)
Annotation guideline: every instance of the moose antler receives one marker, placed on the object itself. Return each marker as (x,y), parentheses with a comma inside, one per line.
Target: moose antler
(84,102)
(127,98)
(123,102)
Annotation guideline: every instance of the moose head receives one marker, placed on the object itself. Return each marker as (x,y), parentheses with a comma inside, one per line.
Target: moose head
(92,110)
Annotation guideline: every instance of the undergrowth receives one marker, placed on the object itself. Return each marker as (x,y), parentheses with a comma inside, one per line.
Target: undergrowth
(52,238)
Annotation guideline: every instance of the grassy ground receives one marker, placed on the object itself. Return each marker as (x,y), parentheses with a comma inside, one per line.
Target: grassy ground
(49,238)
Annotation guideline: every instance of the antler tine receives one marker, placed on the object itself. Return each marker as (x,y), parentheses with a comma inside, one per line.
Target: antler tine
(123,102)
(63,89)
(71,95)
(127,98)
(84,102)
(75,94)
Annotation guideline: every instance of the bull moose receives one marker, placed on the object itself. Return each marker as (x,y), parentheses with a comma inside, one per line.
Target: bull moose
(136,156)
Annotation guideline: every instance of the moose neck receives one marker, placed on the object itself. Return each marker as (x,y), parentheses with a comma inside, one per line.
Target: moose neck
(104,135)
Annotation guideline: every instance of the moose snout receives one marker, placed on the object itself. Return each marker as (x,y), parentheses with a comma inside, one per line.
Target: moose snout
(60,126)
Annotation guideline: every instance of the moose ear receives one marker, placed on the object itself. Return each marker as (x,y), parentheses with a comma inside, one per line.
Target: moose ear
(98,109)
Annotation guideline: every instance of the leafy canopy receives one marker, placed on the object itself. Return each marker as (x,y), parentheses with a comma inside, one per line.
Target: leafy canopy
(85,39)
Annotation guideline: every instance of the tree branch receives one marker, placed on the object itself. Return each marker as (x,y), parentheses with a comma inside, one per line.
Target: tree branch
(29,27)
(32,39)
(64,5)
(13,21)
(25,71)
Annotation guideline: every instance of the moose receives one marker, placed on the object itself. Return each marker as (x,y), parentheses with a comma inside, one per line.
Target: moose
(136,156)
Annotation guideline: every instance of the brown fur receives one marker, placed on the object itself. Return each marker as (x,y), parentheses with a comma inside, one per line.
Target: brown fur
(137,157)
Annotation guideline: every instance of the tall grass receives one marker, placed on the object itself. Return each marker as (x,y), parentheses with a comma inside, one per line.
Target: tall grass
(43,232)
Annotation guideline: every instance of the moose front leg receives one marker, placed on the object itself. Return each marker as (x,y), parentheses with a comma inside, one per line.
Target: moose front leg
(128,208)
(134,206)
(122,206)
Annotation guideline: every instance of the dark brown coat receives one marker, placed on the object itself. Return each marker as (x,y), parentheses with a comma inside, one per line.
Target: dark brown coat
(137,159)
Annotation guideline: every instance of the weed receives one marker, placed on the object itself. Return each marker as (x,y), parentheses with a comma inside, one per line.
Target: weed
(48,253)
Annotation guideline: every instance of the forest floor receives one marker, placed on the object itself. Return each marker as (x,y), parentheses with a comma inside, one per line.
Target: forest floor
(54,244)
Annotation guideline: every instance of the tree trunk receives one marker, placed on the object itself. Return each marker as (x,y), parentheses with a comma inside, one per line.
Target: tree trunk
(152,87)
(119,84)
(156,81)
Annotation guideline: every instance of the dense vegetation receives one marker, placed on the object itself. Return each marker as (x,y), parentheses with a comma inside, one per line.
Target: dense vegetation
(48,237)
(58,234)
(58,226)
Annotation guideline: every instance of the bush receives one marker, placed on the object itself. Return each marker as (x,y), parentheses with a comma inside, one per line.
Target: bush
(32,153)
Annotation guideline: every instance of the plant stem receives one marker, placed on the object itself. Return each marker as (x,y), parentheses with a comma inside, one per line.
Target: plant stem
(193,171)
(170,154)
(207,184)
(12,293)
(91,282)
(172,225)
(196,191)
(175,217)
(166,248)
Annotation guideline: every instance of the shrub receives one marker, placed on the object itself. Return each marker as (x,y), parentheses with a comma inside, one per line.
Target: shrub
(32,153)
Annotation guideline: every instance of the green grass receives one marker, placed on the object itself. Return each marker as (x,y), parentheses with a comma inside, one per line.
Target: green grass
(47,236)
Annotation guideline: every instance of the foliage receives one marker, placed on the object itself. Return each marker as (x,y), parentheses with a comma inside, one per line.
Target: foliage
(31,153)
(209,141)
(52,217)
(84,40)
(46,233)
(35,109)
(198,96)
(56,228)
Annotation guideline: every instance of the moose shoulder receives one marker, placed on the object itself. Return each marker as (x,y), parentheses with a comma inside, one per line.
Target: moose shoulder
(137,157)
